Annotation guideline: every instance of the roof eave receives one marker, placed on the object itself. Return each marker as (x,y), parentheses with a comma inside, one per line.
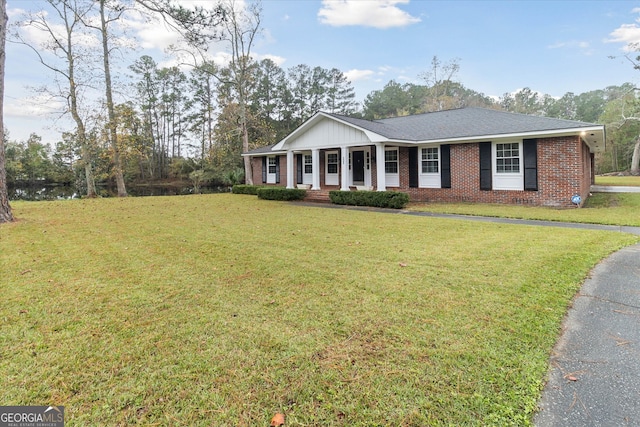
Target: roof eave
(590,135)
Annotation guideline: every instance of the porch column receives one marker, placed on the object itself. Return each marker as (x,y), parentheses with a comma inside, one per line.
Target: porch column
(290,170)
(380,174)
(344,168)
(315,161)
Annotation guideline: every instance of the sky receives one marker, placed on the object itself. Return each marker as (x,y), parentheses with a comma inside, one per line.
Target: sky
(552,47)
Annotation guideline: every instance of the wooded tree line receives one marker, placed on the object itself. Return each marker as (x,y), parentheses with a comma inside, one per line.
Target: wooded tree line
(193,122)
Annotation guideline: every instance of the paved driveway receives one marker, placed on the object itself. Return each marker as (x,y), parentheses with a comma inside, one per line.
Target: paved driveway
(595,366)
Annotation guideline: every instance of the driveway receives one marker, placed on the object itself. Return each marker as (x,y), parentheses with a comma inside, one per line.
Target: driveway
(595,375)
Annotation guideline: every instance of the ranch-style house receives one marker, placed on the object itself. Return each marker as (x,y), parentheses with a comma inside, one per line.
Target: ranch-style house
(462,155)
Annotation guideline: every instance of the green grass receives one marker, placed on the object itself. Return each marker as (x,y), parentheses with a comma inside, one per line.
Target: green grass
(600,208)
(631,181)
(225,309)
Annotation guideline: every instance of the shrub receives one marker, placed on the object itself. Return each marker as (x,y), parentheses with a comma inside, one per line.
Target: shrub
(245,189)
(379,199)
(281,193)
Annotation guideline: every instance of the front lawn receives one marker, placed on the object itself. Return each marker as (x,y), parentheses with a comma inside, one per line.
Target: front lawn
(626,181)
(226,309)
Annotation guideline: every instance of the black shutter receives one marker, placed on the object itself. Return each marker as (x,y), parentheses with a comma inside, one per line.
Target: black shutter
(530,152)
(277,169)
(413,167)
(299,168)
(445,166)
(485,165)
(264,170)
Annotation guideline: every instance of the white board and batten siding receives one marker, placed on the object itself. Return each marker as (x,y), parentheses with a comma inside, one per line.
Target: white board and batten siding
(328,134)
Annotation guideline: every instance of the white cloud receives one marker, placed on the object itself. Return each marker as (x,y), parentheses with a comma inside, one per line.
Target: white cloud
(356,75)
(585,47)
(279,60)
(33,107)
(369,13)
(627,33)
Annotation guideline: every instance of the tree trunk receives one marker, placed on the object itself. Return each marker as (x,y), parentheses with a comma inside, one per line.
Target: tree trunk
(113,131)
(248,175)
(85,153)
(635,158)
(5,208)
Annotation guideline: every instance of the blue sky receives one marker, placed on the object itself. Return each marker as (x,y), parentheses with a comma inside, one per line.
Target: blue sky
(552,47)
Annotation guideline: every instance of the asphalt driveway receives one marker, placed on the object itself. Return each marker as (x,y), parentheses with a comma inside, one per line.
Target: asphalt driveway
(595,370)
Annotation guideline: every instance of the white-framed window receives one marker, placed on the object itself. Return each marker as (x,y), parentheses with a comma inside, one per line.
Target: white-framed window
(391,167)
(271,170)
(508,158)
(429,176)
(507,166)
(308,164)
(430,160)
(307,169)
(332,160)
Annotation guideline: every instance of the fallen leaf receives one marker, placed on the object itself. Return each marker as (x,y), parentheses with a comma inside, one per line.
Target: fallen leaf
(277,420)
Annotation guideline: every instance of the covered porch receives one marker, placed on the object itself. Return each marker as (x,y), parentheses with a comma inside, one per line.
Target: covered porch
(341,168)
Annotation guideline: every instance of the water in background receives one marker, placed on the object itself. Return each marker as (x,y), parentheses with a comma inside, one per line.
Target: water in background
(63,192)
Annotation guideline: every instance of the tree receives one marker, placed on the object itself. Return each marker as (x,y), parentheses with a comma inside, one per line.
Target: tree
(393,100)
(623,116)
(439,79)
(202,119)
(240,29)
(105,21)
(63,45)
(5,209)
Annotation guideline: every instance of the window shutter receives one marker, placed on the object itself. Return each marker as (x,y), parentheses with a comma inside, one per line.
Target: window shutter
(277,169)
(264,170)
(413,167)
(445,166)
(530,153)
(299,168)
(485,165)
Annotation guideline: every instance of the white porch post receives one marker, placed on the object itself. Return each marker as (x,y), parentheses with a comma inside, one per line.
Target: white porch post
(380,174)
(290,174)
(315,161)
(344,170)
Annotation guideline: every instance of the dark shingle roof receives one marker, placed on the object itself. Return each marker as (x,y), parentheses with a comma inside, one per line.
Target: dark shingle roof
(461,123)
(262,150)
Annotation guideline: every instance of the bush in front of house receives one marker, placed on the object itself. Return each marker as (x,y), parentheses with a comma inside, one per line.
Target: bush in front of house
(245,189)
(378,199)
(281,193)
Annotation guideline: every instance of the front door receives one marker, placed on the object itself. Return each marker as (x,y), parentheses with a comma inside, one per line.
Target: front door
(357,158)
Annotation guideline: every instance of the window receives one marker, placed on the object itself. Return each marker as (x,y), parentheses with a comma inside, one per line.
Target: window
(308,164)
(272,164)
(391,161)
(332,162)
(503,169)
(508,158)
(430,160)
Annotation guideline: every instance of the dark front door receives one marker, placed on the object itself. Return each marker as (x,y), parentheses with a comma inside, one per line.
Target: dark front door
(357,158)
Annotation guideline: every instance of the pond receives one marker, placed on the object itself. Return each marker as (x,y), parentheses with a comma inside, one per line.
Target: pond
(62,192)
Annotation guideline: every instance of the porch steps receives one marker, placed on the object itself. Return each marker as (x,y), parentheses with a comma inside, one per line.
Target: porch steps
(319,196)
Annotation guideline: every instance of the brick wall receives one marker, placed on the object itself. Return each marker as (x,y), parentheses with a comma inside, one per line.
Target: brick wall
(256,169)
(564,169)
